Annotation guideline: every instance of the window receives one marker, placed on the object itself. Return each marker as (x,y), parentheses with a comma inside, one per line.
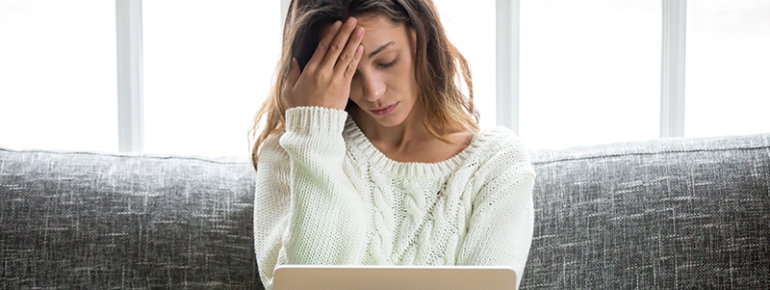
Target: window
(727,89)
(590,71)
(58,75)
(208,66)
(471,29)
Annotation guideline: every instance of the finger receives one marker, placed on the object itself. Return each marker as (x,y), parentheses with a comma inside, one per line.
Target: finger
(294,73)
(349,53)
(335,48)
(350,70)
(323,46)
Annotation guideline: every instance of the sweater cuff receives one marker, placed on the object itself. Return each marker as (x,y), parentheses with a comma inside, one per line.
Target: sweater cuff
(306,120)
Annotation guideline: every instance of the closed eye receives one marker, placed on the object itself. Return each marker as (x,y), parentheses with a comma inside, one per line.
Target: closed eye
(386,65)
(390,64)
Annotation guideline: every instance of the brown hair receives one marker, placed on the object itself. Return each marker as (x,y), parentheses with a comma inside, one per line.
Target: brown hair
(446,108)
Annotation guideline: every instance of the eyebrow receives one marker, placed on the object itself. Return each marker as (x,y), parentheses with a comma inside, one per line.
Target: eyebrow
(381,49)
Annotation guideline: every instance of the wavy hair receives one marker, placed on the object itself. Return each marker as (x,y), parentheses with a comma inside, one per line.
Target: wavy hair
(445,107)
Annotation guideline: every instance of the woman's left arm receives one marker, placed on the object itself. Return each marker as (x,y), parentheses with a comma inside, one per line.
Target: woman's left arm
(502,220)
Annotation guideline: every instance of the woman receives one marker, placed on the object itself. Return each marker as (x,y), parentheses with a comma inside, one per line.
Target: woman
(370,154)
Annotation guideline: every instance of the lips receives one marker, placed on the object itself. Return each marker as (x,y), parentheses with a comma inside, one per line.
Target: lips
(384,111)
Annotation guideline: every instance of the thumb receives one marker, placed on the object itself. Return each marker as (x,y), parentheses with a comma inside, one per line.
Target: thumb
(294,72)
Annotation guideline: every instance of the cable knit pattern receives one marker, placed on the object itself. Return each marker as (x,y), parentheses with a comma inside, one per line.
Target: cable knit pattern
(326,195)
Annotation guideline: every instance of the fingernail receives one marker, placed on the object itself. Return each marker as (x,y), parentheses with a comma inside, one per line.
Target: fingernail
(359,31)
(337,24)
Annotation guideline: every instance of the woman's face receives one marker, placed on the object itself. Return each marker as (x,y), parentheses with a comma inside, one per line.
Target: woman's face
(384,86)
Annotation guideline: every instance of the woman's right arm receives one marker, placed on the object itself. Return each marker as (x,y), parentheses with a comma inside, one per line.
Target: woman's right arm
(306,210)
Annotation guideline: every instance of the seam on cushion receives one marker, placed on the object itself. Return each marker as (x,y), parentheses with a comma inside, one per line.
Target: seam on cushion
(122,155)
(649,153)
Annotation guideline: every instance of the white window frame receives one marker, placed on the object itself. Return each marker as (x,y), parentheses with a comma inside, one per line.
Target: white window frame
(507,64)
(130,78)
(284,11)
(672,68)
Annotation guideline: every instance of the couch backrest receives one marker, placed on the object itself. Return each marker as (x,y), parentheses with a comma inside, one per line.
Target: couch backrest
(664,214)
(677,213)
(101,221)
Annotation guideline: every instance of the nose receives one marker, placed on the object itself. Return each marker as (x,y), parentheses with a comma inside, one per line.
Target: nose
(373,87)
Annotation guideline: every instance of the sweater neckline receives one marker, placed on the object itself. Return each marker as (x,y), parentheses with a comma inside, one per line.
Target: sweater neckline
(409,169)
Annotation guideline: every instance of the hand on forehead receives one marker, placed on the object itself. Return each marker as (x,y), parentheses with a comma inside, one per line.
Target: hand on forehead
(380,33)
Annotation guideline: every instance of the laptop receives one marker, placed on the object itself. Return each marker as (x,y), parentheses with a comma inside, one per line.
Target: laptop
(313,277)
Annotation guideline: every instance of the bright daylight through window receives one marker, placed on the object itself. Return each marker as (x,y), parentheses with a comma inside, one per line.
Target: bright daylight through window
(589,71)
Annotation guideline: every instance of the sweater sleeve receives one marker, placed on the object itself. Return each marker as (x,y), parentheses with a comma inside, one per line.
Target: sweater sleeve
(306,210)
(502,219)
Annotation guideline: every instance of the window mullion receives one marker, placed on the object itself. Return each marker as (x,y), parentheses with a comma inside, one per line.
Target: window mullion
(130,95)
(672,68)
(507,39)
(284,11)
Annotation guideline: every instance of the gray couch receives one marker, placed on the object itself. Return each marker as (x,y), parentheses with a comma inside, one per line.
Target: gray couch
(674,213)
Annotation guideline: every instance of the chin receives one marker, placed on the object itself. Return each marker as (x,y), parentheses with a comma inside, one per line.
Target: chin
(389,121)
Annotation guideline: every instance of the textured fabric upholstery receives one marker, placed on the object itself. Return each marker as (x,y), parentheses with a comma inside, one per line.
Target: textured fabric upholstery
(666,214)
(676,213)
(94,221)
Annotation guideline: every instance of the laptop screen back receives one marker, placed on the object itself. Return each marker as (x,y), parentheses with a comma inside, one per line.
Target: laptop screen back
(306,277)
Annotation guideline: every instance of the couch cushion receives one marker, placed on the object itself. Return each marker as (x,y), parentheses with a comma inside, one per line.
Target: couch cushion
(664,214)
(72,220)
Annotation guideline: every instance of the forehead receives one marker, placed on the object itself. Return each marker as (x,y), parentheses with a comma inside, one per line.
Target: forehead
(379,30)
(379,25)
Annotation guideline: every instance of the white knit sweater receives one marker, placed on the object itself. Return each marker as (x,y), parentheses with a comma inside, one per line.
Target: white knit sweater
(326,195)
